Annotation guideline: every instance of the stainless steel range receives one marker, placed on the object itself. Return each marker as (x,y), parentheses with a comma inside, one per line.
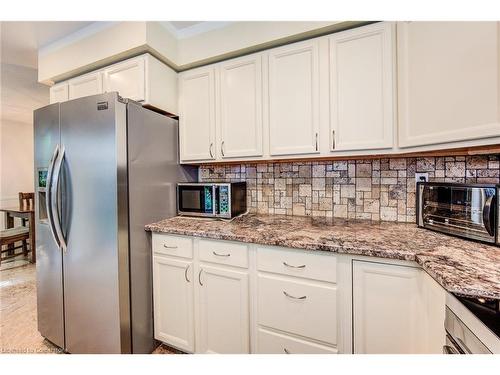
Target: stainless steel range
(472,325)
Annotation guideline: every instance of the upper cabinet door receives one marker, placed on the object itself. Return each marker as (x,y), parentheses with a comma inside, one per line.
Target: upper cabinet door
(127,78)
(197,114)
(86,85)
(294,109)
(240,116)
(448,81)
(361,88)
(59,93)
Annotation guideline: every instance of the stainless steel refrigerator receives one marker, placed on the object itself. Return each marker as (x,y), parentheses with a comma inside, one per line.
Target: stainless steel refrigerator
(104,167)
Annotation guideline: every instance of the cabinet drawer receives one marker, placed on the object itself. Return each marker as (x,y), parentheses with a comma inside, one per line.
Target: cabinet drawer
(224,252)
(304,308)
(297,263)
(277,343)
(172,245)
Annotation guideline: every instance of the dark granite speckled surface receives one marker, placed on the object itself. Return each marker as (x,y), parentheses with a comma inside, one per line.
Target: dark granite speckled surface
(461,266)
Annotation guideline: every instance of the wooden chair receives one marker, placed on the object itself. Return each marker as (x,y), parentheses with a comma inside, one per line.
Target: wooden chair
(26,202)
(9,237)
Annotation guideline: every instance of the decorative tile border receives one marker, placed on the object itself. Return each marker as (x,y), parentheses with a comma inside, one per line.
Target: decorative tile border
(373,189)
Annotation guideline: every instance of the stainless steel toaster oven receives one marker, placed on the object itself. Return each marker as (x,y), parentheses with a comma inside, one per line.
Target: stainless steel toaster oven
(465,210)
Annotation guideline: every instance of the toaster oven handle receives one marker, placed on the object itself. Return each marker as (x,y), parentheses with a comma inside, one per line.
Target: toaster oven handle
(489,215)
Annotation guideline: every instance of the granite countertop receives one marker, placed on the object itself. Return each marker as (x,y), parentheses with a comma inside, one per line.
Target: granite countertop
(461,266)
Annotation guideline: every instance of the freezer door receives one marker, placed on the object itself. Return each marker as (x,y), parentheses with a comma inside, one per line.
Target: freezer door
(49,256)
(93,179)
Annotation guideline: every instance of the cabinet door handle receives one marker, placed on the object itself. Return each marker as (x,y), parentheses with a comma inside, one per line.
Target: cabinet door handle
(186,273)
(293,297)
(333,139)
(286,351)
(210,150)
(222,148)
(221,255)
(291,266)
(169,247)
(199,277)
(316,141)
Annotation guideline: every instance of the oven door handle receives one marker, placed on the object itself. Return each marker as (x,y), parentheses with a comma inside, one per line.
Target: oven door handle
(488,215)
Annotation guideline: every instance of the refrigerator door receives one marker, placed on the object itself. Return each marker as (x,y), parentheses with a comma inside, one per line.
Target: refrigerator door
(153,172)
(94,224)
(49,256)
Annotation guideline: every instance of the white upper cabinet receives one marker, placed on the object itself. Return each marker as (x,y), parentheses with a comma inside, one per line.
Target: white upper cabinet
(59,93)
(294,105)
(361,88)
(448,81)
(127,78)
(197,114)
(144,79)
(86,85)
(240,106)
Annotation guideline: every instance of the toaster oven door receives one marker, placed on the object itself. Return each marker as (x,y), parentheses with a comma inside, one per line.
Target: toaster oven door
(463,210)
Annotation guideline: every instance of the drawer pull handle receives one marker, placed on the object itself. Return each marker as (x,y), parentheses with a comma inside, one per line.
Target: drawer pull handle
(289,265)
(293,297)
(169,247)
(221,255)
(186,273)
(286,351)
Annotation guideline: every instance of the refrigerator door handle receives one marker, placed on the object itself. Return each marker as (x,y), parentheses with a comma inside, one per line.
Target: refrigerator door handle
(54,206)
(48,195)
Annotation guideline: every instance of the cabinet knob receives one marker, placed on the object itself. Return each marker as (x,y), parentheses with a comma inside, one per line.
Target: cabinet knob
(316,141)
(222,148)
(333,139)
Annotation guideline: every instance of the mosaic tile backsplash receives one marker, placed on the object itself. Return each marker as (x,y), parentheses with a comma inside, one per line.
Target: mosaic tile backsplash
(374,189)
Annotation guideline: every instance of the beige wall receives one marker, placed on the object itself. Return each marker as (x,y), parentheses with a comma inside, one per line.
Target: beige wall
(20,94)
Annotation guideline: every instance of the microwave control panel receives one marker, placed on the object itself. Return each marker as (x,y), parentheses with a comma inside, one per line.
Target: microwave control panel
(224,199)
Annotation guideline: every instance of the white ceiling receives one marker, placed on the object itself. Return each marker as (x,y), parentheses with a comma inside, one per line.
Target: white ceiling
(186,29)
(179,25)
(21,40)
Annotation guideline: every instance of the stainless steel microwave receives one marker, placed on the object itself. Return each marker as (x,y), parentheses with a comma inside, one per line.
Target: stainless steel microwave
(224,200)
(465,210)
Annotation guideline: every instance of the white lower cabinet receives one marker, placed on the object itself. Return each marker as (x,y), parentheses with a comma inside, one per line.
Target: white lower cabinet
(173,302)
(222,311)
(270,342)
(226,297)
(299,307)
(396,310)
